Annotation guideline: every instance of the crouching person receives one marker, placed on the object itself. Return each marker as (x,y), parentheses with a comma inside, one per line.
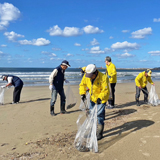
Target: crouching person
(56,80)
(97,83)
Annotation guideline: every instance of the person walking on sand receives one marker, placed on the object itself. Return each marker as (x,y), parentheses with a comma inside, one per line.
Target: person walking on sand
(56,80)
(112,76)
(18,85)
(97,83)
(141,83)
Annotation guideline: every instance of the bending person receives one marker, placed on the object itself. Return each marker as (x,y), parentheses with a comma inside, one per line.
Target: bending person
(97,83)
(141,83)
(18,85)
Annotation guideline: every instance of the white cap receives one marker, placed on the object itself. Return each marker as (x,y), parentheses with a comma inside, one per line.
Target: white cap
(90,69)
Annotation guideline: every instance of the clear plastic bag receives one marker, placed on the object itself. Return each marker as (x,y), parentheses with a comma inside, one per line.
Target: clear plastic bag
(86,139)
(85,104)
(70,98)
(2,90)
(153,97)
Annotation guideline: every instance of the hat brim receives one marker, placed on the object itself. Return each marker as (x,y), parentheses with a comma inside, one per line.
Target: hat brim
(66,64)
(89,75)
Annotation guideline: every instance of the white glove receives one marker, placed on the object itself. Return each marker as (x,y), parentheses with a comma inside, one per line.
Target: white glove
(3,86)
(66,81)
(50,87)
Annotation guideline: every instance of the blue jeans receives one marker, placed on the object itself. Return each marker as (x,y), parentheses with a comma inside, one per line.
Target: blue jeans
(54,97)
(100,111)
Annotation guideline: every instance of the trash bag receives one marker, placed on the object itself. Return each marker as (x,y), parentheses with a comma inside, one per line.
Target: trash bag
(86,139)
(2,90)
(70,98)
(153,97)
(85,104)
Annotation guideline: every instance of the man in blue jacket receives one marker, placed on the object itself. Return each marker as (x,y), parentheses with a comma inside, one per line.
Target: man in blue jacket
(18,85)
(56,80)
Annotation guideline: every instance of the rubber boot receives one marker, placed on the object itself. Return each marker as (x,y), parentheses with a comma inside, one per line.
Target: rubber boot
(146,100)
(52,111)
(100,129)
(137,102)
(63,111)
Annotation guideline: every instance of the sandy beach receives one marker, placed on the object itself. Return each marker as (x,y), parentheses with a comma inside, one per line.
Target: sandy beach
(28,131)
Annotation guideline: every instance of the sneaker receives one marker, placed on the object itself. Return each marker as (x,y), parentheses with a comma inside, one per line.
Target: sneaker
(109,107)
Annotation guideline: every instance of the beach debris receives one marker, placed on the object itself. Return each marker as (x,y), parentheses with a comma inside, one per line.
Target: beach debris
(153,97)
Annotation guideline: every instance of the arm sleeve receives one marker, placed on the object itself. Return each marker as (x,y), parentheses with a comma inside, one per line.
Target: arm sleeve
(10,79)
(104,89)
(138,79)
(82,86)
(150,80)
(53,74)
(114,72)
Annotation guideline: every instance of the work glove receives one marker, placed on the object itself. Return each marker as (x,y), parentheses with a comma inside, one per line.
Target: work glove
(3,86)
(83,97)
(51,87)
(109,76)
(99,101)
(66,81)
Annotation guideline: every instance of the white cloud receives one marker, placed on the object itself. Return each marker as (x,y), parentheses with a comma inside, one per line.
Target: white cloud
(94,42)
(142,33)
(67,32)
(125,55)
(35,42)
(125,45)
(111,37)
(3,45)
(154,53)
(8,13)
(143,60)
(53,54)
(68,55)
(92,30)
(77,44)
(12,36)
(86,49)
(1,52)
(96,50)
(125,31)
(156,20)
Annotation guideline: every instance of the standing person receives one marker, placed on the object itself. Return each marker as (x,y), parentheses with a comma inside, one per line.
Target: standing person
(112,75)
(18,85)
(56,80)
(99,93)
(141,83)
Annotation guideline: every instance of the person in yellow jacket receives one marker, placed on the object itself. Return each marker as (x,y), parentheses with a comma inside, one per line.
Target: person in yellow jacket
(83,71)
(112,75)
(141,83)
(97,83)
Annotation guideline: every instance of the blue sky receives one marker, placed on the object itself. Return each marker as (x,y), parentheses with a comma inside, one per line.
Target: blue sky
(43,33)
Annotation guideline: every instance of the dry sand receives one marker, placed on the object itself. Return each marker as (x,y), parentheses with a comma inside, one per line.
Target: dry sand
(28,131)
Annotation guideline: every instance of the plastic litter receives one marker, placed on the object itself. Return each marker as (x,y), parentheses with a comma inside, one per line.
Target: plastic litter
(70,98)
(2,90)
(86,139)
(153,97)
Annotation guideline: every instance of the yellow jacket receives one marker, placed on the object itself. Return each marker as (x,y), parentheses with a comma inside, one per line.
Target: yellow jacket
(141,80)
(83,69)
(99,88)
(111,69)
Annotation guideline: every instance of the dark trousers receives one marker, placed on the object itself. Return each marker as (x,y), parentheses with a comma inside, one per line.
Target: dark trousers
(54,97)
(17,94)
(112,87)
(145,92)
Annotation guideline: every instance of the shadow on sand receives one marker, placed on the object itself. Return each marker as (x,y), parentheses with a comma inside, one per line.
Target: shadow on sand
(121,131)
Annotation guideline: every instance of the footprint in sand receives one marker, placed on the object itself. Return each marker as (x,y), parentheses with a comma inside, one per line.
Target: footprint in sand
(146,154)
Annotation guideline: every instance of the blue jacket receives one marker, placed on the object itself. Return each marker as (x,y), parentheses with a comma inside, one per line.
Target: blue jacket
(59,79)
(16,81)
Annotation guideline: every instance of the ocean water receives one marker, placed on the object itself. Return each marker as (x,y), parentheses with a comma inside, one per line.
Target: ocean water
(40,76)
